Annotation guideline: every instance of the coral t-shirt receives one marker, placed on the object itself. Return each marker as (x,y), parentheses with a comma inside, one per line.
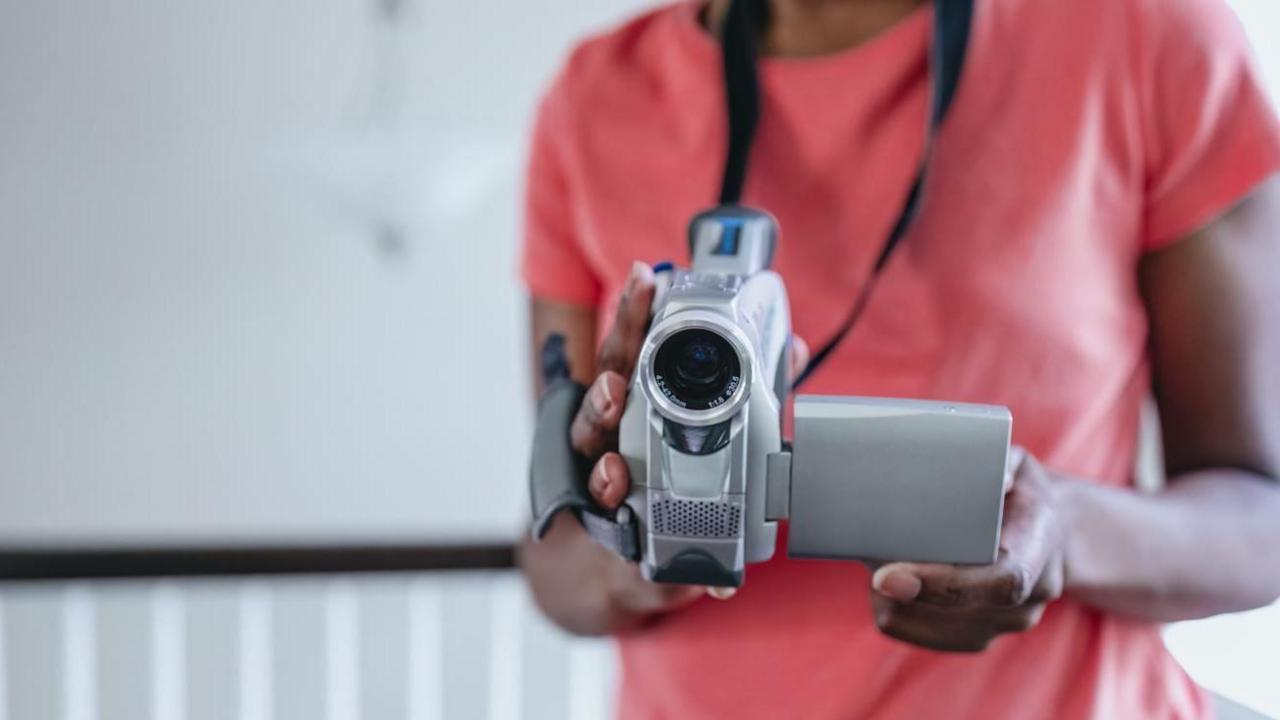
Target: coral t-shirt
(1084,134)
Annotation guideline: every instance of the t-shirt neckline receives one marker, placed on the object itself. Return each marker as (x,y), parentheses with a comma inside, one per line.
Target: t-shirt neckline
(905,35)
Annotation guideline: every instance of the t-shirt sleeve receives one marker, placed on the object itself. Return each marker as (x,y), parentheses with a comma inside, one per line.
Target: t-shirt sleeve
(553,265)
(1211,130)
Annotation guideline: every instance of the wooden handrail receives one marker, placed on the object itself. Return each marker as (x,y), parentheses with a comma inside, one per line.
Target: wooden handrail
(69,563)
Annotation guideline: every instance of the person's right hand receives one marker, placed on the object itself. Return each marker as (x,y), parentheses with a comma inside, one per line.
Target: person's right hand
(594,434)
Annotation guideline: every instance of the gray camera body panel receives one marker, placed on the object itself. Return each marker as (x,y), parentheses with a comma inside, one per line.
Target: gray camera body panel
(888,479)
(700,512)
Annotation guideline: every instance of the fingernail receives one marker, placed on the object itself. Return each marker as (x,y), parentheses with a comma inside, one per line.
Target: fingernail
(601,397)
(896,583)
(606,482)
(639,272)
(721,593)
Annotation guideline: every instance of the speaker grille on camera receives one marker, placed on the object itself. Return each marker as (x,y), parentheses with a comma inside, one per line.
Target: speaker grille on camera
(690,518)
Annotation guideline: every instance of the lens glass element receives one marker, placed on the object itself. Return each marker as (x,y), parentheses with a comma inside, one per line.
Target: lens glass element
(697,369)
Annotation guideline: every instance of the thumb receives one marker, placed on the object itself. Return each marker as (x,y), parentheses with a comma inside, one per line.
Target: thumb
(621,347)
(1013,466)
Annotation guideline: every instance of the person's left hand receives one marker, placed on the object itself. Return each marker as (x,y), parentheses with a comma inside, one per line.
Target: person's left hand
(963,608)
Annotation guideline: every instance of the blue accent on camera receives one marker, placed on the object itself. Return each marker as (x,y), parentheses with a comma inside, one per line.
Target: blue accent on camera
(730,231)
(664,266)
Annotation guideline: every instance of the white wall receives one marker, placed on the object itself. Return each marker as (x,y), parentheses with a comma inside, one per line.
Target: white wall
(1261,19)
(256,265)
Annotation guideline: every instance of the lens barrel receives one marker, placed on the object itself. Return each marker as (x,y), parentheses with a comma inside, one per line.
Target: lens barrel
(697,369)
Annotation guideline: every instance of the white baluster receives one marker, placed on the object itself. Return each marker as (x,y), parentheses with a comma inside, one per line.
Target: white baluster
(168,652)
(79,650)
(342,650)
(505,636)
(255,652)
(426,642)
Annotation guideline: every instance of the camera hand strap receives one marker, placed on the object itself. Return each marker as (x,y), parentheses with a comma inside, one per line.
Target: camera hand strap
(558,474)
(953,21)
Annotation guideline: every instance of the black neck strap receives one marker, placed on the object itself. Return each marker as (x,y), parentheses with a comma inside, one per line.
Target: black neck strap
(742,25)
(953,20)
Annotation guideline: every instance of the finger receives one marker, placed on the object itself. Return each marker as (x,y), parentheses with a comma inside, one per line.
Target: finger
(951,586)
(621,346)
(1017,455)
(676,596)
(946,629)
(594,426)
(1004,584)
(928,627)
(799,355)
(610,481)
(999,621)
(1014,620)
(1029,536)
(636,594)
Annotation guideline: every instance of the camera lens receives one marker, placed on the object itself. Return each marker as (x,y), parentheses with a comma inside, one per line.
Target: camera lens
(698,364)
(697,369)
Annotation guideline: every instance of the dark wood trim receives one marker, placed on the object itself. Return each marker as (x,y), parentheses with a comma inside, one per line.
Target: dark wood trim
(44,563)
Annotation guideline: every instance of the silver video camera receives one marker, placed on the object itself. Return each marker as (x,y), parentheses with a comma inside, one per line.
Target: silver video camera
(702,435)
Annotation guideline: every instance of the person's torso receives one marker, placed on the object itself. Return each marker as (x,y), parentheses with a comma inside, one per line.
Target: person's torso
(1016,285)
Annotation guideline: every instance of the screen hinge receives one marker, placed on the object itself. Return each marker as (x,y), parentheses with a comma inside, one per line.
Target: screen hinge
(777,504)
